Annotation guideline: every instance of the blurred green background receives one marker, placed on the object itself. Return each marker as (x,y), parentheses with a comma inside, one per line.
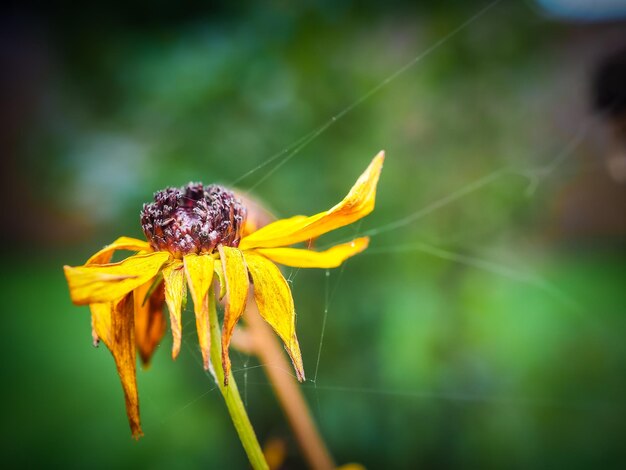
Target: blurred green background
(484,331)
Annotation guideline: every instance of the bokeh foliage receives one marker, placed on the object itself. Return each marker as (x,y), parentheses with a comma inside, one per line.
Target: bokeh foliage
(429,358)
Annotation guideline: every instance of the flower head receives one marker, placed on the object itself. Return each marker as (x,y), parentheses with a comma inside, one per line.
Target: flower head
(193,219)
(194,232)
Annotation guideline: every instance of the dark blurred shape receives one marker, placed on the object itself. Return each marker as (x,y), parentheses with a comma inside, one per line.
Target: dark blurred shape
(591,206)
(609,85)
(25,68)
(609,90)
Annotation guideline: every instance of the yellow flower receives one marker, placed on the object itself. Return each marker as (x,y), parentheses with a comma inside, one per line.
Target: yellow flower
(192,233)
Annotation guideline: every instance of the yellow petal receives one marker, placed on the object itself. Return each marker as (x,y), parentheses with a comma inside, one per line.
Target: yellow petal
(123,243)
(100,323)
(273,298)
(175,292)
(199,270)
(114,325)
(108,282)
(150,322)
(330,258)
(236,276)
(357,204)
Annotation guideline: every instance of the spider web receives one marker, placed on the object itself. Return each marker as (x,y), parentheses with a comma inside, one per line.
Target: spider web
(532,177)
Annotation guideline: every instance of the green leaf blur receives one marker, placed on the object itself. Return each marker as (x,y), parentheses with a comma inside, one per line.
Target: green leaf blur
(485,332)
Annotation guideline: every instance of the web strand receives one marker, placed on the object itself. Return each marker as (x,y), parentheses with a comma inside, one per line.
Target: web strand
(485,265)
(534,175)
(295,148)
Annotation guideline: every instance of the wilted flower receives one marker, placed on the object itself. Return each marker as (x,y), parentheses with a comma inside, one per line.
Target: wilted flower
(193,232)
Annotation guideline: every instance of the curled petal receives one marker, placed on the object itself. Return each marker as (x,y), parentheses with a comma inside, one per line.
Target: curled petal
(199,270)
(273,298)
(175,292)
(217,268)
(357,204)
(150,322)
(113,322)
(331,258)
(123,243)
(108,282)
(235,274)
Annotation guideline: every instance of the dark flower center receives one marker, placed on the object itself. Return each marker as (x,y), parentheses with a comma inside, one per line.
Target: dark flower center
(193,219)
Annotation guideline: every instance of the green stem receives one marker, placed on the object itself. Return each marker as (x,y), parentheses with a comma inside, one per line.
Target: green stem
(231,394)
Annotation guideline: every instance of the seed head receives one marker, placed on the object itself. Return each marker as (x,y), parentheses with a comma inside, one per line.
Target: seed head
(193,219)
